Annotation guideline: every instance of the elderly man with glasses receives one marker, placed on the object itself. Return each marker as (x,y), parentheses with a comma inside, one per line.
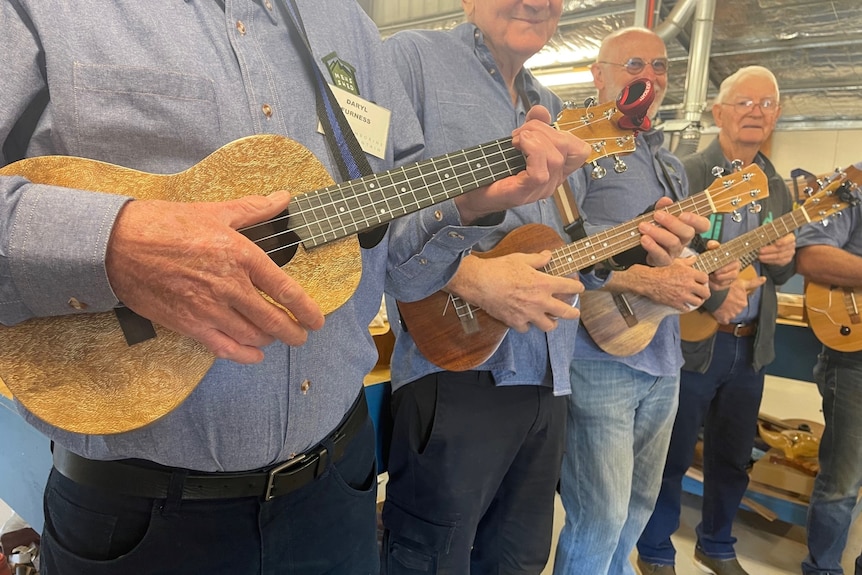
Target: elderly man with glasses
(722,379)
(621,409)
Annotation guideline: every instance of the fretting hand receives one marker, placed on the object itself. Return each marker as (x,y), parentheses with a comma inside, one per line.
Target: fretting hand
(551,155)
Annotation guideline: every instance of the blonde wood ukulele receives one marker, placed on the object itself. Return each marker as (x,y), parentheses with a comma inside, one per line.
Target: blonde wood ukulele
(834,315)
(626,328)
(79,373)
(458,336)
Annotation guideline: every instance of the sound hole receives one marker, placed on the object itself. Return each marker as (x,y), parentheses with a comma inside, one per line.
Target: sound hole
(274,238)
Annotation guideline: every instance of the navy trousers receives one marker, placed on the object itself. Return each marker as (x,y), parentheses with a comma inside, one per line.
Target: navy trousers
(473,470)
(326,527)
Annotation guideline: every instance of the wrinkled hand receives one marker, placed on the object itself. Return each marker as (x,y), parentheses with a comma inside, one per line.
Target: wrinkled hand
(183,266)
(779,252)
(511,289)
(737,298)
(723,277)
(665,242)
(677,285)
(551,156)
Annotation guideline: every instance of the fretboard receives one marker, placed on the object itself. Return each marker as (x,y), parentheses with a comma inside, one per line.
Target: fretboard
(744,247)
(600,246)
(344,209)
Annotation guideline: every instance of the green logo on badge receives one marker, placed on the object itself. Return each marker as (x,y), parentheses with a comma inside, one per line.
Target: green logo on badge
(343,74)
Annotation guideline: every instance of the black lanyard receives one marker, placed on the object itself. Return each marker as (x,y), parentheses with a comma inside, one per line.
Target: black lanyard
(349,157)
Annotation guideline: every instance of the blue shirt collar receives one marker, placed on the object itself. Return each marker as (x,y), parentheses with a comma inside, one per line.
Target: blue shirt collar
(525,81)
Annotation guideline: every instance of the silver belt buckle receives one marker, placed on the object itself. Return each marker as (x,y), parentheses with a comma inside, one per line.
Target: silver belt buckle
(270,481)
(736,329)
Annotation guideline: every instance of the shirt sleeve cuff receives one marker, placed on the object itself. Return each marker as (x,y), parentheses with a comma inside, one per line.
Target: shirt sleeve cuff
(58,242)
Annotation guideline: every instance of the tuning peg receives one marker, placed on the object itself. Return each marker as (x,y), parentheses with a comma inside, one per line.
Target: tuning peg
(598,172)
(736,165)
(569,105)
(754,208)
(736,217)
(717,171)
(589,102)
(808,191)
(619,165)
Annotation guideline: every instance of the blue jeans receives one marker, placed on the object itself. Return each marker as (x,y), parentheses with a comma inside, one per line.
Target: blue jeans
(725,401)
(839,378)
(619,425)
(326,527)
(472,475)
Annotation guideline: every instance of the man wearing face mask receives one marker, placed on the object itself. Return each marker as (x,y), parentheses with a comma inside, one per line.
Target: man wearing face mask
(475,455)
(621,408)
(722,379)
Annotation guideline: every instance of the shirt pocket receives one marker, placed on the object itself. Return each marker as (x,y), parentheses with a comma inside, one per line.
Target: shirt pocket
(456,110)
(144,118)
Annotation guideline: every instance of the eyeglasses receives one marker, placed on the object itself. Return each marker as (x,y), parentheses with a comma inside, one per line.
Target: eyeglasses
(766,105)
(636,65)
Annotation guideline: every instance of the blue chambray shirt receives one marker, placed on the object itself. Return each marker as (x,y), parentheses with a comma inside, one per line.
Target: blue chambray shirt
(461,100)
(157,85)
(843,232)
(653,172)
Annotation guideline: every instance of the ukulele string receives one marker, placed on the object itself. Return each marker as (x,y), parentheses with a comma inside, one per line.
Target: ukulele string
(597,247)
(745,246)
(494,156)
(568,126)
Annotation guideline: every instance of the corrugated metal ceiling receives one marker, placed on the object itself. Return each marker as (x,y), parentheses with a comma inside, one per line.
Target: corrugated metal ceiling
(814,47)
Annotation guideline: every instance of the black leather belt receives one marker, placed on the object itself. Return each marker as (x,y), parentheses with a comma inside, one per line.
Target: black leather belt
(146,479)
(739,329)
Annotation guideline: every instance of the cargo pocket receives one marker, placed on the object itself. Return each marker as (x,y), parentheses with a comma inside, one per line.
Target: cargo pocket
(412,544)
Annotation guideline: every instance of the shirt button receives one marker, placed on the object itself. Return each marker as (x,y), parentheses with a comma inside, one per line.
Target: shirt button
(423,261)
(241,27)
(305,386)
(268,5)
(456,236)
(267,110)
(74,303)
(438,215)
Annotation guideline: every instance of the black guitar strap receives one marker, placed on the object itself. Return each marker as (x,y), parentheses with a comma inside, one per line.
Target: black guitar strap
(343,144)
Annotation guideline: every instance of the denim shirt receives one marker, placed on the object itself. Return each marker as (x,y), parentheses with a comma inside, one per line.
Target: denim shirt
(653,172)
(157,86)
(461,100)
(842,232)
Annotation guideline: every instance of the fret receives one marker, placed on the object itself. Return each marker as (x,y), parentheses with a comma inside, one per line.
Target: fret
(399,191)
(343,209)
(341,212)
(389,203)
(416,183)
(313,216)
(600,246)
(370,209)
(477,162)
(431,185)
(745,247)
(449,184)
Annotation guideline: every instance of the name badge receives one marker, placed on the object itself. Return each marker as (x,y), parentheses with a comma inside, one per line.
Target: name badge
(369,122)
